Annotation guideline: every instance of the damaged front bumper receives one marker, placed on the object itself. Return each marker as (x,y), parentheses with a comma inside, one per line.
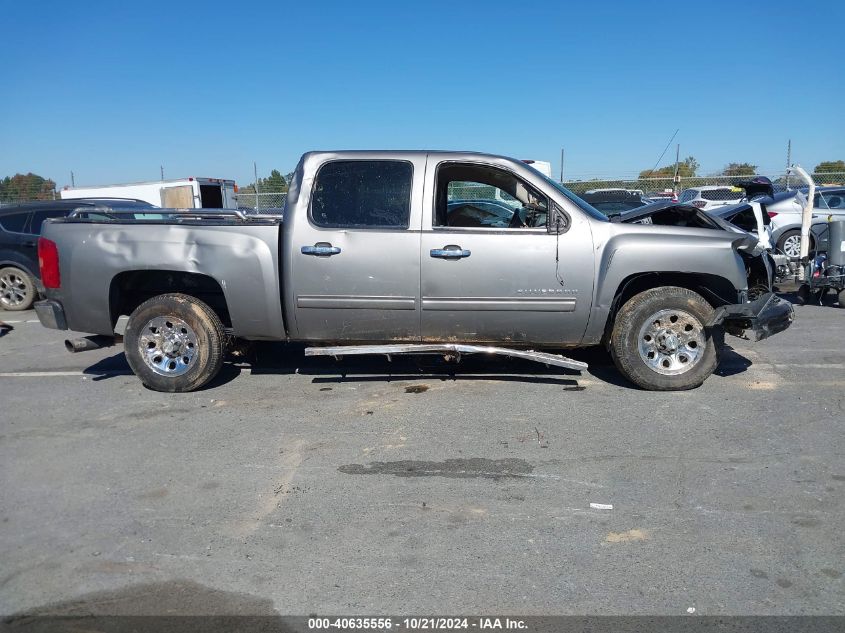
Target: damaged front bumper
(756,320)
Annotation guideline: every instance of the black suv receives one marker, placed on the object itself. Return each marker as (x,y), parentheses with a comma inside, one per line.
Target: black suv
(20,226)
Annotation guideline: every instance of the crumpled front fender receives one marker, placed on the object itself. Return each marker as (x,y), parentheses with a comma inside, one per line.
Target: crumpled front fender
(756,320)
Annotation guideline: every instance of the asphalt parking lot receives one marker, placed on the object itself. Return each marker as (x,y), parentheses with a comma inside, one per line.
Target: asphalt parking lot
(367,486)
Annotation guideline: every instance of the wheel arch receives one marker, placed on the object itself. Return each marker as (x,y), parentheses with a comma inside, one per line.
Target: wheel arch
(715,289)
(131,288)
(5,263)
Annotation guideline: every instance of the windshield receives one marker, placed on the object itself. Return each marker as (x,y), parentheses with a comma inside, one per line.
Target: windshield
(584,206)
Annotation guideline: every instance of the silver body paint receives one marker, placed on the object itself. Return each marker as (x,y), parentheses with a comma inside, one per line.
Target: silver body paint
(384,286)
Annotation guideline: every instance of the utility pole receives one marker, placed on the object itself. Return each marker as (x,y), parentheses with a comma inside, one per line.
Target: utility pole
(561,165)
(676,179)
(72,181)
(788,160)
(161,167)
(255,172)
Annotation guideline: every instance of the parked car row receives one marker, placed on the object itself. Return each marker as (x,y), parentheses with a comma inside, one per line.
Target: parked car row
(783,209)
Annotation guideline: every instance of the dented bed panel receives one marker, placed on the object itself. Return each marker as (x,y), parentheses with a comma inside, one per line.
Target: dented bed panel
(242,259)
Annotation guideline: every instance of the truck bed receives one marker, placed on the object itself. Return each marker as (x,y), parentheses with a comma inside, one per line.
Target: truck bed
(122,254)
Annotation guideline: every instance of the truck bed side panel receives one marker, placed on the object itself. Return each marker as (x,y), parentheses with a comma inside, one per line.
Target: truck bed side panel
(242,259)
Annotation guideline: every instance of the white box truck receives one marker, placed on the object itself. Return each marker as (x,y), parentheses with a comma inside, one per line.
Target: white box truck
(182,193)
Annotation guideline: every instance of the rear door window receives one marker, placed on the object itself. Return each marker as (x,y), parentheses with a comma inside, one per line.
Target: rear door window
(363,194)
(834,199)
(38,220)
(14,222)
(721,194)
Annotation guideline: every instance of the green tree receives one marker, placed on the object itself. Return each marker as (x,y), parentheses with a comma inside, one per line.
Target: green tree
(739,169)
(830,166)
(22,187)
(687,168)
(275,183)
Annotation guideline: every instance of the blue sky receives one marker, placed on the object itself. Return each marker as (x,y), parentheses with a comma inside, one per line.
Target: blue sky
(113,90)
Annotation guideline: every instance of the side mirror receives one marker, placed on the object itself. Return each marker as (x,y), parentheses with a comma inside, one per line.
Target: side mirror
(558,221)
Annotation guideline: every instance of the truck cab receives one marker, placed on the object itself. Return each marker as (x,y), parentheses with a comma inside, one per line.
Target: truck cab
(383,242)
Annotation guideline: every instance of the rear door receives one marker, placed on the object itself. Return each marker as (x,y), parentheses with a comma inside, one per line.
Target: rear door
(496,278)
(355,258)
(16,245)
(211,196)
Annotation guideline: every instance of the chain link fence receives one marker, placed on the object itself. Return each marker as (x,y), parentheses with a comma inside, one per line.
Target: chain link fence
(261,202)
(646,187)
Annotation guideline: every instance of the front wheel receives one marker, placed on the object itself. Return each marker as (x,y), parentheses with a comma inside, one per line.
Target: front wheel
(660,342)
(174,343)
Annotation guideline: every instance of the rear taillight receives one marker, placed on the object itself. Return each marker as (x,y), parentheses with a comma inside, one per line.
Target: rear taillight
(771,214)
(48,263)
(698,204)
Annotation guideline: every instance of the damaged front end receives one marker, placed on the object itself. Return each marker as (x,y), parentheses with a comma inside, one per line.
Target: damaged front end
(764,314)
(755,320)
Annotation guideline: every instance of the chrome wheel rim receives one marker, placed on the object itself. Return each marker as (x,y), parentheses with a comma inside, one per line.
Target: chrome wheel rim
(792,246)
(168,346)
(671,342)
(13,289)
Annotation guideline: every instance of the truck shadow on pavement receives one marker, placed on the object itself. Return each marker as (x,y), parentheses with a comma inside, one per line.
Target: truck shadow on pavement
(286,359)
(173,605)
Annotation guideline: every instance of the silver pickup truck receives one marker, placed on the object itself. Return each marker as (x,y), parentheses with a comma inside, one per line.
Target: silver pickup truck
(395,252)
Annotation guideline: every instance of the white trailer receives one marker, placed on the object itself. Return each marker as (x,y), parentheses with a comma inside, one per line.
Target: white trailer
(182,193)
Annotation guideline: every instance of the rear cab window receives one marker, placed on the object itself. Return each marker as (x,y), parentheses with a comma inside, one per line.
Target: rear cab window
(362,194)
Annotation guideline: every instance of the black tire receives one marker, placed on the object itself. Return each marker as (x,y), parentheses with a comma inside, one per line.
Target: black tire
(791,234)
(802,296)
(631,355)
(202,346)
(17,289)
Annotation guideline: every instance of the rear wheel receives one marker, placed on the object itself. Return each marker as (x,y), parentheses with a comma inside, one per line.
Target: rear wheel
(660,342)
(174,343)
(790,244)
(17,289)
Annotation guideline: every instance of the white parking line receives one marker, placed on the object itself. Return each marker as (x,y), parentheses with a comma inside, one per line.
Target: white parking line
(810,366)
(28,321)
(47,374)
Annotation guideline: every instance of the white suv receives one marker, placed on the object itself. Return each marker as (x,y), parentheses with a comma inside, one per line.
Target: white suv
(711,196)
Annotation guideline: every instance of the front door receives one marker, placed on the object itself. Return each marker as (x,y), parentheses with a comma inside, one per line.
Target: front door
(490,270)
(355,261)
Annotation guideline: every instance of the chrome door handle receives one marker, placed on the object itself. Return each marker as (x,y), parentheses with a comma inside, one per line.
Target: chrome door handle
(320,249)
(450,252)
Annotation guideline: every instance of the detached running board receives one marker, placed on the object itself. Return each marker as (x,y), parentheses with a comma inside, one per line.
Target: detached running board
(453,349)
